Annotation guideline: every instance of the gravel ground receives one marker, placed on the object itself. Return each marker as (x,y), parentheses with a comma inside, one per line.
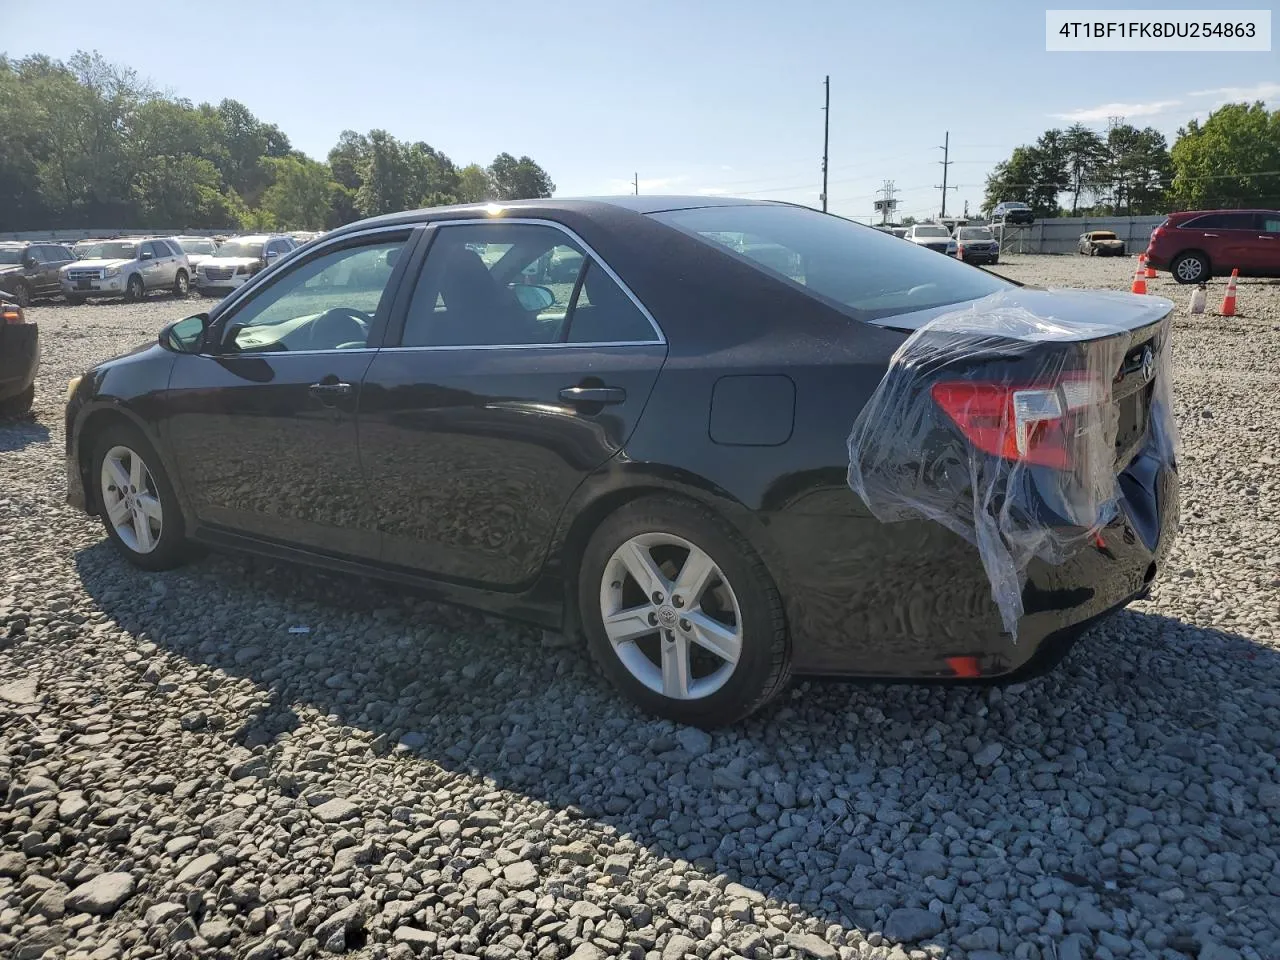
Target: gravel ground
(185,773)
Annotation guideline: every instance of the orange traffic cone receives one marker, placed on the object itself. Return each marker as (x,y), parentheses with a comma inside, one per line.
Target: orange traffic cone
(1151,271)
(1139,279)
(1229,301)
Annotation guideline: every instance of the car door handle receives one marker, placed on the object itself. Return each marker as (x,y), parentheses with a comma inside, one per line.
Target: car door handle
(593,395)
(1214,235)
(330,390)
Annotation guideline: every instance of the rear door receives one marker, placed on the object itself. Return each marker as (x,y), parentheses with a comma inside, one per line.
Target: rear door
(1267,244)
(508,379)
(151,265)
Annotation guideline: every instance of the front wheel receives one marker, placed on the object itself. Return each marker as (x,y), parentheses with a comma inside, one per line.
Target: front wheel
(1190,268)
(180,284)
(22,293)
(136,500)
(134,290)
(681,614)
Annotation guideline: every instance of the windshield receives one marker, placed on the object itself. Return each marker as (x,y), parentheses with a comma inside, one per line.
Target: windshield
(1014,205)
(843,263)
(239,248)
(111,250)
(11,254)
(975,233)
(196,246)
(932,232)
(1104,235)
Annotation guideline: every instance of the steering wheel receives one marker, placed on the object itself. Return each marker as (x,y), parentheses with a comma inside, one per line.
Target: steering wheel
(337,326)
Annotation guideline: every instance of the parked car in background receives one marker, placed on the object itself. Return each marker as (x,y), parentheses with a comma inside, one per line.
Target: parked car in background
(29,270)
(979,244)
(1100,243)
(81,247)
(197,249)
(1012,211)
(240,258)
(1195,245)
(19,359)
(934,236)
(129,268)
(657,463)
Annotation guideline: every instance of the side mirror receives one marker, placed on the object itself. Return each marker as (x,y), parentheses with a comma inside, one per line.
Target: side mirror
(186,335)
(30,261)
(533,299)
(271,255)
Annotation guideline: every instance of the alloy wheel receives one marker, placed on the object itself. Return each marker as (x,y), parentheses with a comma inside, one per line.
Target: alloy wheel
(671,616)
(1189,270)
(131,499)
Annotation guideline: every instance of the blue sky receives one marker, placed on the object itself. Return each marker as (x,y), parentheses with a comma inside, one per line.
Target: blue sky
(707,96)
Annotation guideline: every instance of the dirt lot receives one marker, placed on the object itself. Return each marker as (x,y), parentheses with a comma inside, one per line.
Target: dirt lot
(184,775)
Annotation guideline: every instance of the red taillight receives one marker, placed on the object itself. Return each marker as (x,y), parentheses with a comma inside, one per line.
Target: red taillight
(11,313)
(1032,424)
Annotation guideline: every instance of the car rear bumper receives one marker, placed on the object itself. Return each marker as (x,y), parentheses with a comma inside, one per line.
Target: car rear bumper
(19,358)
(905,600)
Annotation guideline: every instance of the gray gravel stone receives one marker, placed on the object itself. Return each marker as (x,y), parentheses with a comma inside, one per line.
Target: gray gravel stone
(101,895)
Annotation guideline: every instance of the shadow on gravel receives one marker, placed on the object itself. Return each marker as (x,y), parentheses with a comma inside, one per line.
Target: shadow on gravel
(813,802)
(19,432)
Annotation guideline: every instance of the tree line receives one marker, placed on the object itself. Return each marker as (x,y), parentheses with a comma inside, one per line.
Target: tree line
(1231,160)
(86,143)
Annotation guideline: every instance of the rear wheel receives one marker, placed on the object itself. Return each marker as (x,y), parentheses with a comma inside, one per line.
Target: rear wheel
(22,293)
(134,290)
(180,284)
(1190,268)
(136,500)
(18,405)
(681,615)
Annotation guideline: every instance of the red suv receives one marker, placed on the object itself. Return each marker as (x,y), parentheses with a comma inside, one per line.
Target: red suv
(1198,244)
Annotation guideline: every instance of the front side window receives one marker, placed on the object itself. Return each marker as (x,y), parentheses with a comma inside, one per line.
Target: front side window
(845,264)
(326,303)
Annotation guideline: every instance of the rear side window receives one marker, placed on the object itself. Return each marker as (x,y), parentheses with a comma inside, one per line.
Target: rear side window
(850,266)
(1221,221)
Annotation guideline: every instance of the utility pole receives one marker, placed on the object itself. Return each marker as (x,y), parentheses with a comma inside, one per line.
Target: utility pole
(826,137)
(636,183)
(887,205)
(946,161)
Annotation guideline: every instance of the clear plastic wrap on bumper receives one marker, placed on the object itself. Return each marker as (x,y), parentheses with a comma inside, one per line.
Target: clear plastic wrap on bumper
(1009,420)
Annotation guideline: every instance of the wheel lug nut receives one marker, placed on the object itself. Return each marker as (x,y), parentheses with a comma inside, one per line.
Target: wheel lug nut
(653,619)
(657,597)
(677,600)
(684,625)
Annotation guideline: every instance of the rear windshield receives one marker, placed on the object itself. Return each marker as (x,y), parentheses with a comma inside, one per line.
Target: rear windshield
(975,233)
(846,264)
(1103,235)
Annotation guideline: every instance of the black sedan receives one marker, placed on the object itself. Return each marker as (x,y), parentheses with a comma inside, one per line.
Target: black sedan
(648,449)
(19,359)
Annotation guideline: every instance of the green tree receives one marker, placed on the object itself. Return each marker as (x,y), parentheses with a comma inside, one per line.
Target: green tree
(300,194)
(474,185)
(1228,161)
(1085,154)
(181,192)
(1137,172)
(519,179)
(247,140)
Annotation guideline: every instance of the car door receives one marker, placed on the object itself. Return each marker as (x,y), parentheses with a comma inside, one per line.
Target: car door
(263,424)
(496,396)
(1267,245)
(149,266)
(57,257)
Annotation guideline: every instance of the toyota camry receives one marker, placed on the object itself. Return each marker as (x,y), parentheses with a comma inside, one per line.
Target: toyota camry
(630,419)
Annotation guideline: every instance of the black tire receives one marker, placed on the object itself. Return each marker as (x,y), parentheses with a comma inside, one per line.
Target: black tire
(75,301)
(19,405)
(763,668)
(1190,268)
(22,293)
(134,290)
(171,548)
(181,284)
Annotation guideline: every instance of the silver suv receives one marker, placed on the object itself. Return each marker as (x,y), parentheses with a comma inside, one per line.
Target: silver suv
(130,267)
